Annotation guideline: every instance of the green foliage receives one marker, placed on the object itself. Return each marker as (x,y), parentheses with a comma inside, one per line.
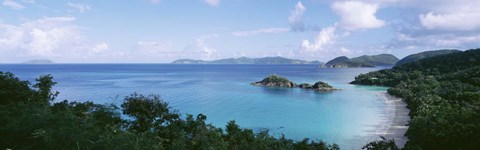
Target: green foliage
(30,120)
(377,60)
(44,88)
(343,61)
(148,112)
(275,79)
(443,95)
(321,84)
(382,144)
(12,89)
(422,55)
(363,61)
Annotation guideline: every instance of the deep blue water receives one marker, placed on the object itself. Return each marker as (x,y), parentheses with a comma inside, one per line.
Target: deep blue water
(223,93)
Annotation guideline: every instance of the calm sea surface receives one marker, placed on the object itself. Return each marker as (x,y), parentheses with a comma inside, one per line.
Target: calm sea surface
(223,93)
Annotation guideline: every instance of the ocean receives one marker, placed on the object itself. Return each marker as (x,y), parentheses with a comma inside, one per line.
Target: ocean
(224,93)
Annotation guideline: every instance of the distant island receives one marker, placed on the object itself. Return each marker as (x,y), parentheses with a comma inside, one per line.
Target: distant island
(247,60)
(426,54)
(362,61)
(279,81)
(38,61)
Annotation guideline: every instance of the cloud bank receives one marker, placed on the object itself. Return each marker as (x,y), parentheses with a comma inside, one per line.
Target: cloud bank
(357,15)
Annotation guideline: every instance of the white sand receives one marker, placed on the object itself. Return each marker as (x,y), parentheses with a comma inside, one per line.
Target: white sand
(396,122)
(393,125)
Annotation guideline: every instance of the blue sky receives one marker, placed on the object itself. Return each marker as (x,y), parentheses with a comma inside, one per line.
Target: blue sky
(160,31)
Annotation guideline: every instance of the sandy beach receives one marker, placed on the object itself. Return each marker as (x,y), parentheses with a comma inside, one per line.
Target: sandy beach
(397,120)
(393,125)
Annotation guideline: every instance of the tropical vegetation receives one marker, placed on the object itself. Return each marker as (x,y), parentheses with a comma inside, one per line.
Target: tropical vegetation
(362,61)
(426,54)
(443,95)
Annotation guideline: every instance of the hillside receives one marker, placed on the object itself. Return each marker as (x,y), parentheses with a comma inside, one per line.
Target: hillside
(345,62)
(240,60)
(426,54)
(377,60)
(362,61)
(247,60)
(443,95)
(38,61)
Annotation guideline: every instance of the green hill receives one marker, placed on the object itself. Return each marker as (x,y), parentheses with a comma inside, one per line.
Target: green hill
(345,62)
(362,61)
(443,95)
(426,54)
(377,60)
(240,60)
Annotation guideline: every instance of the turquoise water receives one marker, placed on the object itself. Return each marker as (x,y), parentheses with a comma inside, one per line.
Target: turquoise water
(223,93)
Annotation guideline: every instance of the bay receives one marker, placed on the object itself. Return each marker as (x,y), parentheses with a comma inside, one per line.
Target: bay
(223,93)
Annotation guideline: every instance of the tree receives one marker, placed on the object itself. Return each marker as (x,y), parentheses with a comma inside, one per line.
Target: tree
(382,144)
(148,112)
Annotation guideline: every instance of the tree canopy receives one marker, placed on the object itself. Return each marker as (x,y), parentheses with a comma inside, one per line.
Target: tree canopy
(443,95)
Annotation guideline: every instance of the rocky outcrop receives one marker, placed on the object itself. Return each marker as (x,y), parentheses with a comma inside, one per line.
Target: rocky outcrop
(305,86)
(278,81)
(275,81)
(322,86)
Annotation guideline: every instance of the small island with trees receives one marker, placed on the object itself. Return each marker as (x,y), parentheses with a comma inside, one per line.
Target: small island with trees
(279,81)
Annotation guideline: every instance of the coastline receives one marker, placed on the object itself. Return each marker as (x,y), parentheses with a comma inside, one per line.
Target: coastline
(392,126)
(395,125)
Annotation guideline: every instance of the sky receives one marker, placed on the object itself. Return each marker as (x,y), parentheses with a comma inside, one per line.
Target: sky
(160,31)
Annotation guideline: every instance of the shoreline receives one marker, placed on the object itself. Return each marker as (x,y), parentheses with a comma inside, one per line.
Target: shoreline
(395,125)
(394,118)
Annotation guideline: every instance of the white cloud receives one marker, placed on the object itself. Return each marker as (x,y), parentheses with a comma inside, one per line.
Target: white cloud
(45,41)
(152,51)
(442,24)
(10,36)
(39,37)
(435,41)
(200,49)
(345,51)
(56,38)
(101,47)
(460,19)
(324,38)
(152,46)
(260,31)
(13,4)
(80,7)
(357,15)
(295,19)
(212,2)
